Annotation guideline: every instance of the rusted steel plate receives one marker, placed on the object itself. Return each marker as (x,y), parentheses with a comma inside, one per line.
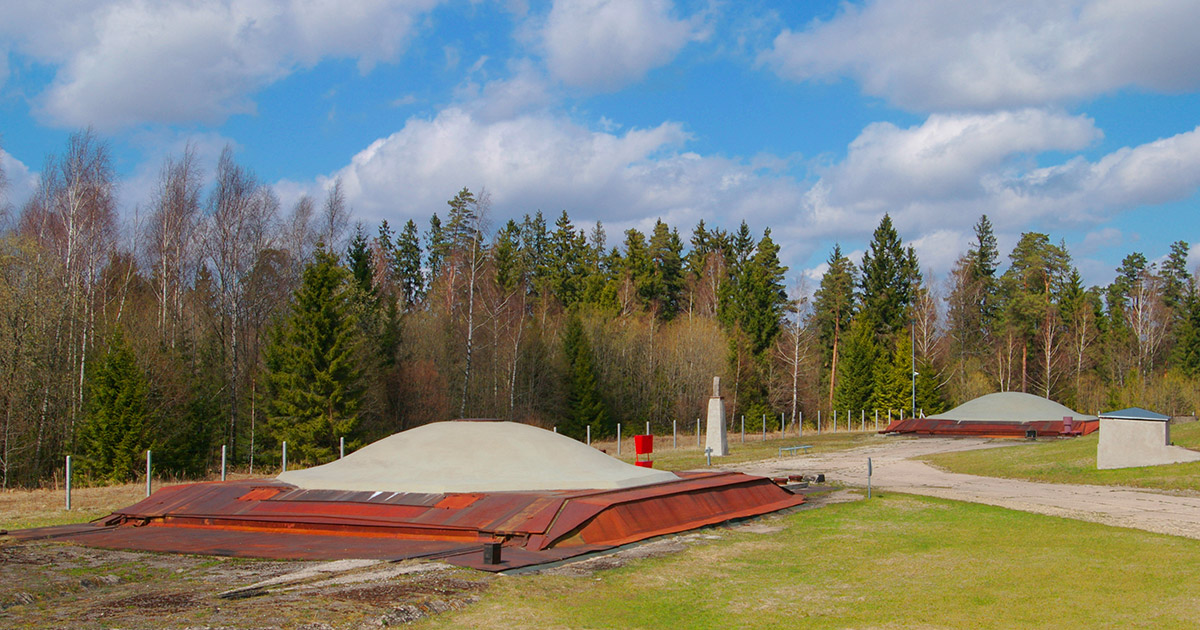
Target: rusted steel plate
(1043,428)
(275,520)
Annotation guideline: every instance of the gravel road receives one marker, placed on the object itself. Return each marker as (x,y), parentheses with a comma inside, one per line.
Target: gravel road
(894,470)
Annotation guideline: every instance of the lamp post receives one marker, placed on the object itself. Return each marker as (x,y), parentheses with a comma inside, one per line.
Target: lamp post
(912,338)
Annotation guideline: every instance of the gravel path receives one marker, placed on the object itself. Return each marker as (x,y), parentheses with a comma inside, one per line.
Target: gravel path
(893,470)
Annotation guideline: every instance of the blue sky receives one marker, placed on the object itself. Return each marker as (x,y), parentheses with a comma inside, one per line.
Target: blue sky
(1078,118)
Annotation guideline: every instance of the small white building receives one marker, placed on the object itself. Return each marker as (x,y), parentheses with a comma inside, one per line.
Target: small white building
(1136,437)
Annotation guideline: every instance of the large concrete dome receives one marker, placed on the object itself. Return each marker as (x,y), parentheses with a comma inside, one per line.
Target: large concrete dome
(479,456)
(1011,407)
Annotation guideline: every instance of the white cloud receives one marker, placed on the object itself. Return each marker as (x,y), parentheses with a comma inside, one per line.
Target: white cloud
(128,62)
(523,91)
(607,44)
(937,55)
(21,181)
(545,162)
(928,173)
(935,179)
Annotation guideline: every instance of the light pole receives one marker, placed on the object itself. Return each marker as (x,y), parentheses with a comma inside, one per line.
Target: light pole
(912,338)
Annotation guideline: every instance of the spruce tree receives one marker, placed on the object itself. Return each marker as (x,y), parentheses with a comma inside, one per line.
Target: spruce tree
(313,379)
(116,432)
(856,371)
(568,255)
(893,376)
(585,405)
(889,278)
(506,258)
(407,270)
(666,252)
(358,257)
(437,247)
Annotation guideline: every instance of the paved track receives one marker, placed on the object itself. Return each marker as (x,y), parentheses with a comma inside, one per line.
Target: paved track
(894,471)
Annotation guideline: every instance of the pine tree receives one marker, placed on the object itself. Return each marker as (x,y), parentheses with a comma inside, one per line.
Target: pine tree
(1177,280)
(313,380)
(585,406)
(833,309)
(407,269)
(116,433)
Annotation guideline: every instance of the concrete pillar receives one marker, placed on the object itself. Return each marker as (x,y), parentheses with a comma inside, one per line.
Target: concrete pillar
(716,438)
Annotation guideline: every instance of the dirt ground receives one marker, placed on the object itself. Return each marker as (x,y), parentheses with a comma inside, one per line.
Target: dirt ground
(53,585)
(58,585)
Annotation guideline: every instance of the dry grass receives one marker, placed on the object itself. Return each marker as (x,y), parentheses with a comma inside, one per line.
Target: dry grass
(690,457)
(41,507)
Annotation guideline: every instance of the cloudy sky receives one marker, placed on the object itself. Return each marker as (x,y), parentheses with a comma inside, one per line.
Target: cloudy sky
(1078,118)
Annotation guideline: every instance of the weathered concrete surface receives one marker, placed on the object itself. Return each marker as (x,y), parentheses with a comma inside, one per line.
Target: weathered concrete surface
(1128,443)
(465,456)
(1174,514)
(714,431)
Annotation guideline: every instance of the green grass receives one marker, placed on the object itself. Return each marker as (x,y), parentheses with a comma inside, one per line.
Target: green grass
(689,457)
(893,562)
(1074,461)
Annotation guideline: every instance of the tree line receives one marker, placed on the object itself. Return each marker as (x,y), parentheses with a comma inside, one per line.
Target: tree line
(213,316)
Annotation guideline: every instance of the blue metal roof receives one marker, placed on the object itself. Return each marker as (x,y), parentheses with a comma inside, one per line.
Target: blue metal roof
(1135,413)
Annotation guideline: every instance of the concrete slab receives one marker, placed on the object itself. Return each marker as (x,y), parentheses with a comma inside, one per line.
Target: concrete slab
(475,456)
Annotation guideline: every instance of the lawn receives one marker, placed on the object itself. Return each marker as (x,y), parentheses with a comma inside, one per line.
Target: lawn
(1074,461)
(893,562)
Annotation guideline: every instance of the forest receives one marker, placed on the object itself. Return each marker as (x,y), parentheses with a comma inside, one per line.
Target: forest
(212,316)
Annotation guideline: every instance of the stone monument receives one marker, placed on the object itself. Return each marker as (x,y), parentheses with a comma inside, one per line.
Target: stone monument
(715,427)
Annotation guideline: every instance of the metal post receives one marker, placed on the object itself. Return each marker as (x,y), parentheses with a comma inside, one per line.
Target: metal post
(147,472)
(589,435)
(877,419)
(647,427)
(818,422)
(697,432)
(743,429)
(618,439)
(863,416)
(834,420)
(341,447)
(556,428)
(68,482)
(285,456)
(869,477)
(913,363)
(674,434)
(708,455)
(223,467)
(764,420)
(782,425)
(800,425)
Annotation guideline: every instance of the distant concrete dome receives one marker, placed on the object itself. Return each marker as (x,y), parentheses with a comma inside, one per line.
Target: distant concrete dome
(1010,407)
(475,456)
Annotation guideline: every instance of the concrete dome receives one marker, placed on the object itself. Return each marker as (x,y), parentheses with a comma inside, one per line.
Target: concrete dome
(1010,407)
(466,456)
